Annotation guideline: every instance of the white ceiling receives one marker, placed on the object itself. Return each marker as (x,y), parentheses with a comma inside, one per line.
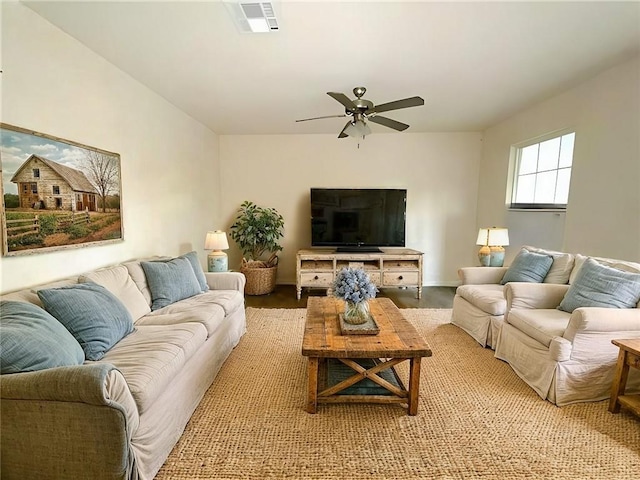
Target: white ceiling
(474,64)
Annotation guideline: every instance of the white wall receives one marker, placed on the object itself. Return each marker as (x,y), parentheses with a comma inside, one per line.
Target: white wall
(54,85)
(603,214)
(439,171)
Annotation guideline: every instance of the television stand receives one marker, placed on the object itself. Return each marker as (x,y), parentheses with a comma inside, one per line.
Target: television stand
(390,267)
(358,250)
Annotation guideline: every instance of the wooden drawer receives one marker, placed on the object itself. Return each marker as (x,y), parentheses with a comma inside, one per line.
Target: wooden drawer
(375,278)
(396,279)
(400,265)
(310,279)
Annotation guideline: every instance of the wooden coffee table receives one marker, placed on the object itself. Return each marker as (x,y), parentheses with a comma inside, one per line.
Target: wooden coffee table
(398,341)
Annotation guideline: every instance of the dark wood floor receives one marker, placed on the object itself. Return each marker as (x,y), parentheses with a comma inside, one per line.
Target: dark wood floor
(284,296)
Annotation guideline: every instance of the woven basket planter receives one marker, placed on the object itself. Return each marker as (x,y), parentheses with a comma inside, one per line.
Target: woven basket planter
(260,278)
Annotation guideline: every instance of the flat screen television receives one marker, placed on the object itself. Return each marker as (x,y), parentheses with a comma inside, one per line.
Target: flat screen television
(351,219)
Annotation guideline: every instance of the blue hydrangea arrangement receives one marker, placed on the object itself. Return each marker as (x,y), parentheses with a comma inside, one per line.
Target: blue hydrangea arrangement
(353,285)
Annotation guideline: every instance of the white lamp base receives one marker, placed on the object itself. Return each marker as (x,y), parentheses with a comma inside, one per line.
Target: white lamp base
(217,261)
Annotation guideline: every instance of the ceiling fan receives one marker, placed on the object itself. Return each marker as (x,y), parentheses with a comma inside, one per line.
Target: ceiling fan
(360,110)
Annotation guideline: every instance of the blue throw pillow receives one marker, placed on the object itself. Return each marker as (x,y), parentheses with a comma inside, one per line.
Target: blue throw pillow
(170,281)
(597,285)
(197,269)
(528,267)
(93,315)
(31,339)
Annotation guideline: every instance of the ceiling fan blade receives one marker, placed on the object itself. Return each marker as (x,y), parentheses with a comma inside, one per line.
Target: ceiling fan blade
(342,134)
(343,99)
(387,122)
(318,118)
(398,104)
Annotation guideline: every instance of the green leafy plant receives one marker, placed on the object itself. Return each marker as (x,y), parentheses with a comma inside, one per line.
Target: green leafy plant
(257,231)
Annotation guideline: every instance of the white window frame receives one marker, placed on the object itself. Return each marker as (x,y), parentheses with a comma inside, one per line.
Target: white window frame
(514,168)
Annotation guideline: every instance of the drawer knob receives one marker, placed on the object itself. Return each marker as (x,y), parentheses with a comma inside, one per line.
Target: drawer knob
(316,277)
(400,277)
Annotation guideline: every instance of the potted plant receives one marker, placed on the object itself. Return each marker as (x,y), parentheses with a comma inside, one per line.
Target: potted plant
(257,231)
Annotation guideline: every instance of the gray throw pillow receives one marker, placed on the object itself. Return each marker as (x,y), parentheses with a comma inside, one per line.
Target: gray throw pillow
(31,339)
(597,285)
(197,269)
(170,281)
(93,315)
(528,267)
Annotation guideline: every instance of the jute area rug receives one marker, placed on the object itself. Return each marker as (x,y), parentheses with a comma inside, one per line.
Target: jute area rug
(476,419)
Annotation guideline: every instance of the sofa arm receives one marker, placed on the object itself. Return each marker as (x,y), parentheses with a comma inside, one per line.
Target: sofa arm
(534,295)
(91,384)
(226,281)
(591,330)
(481,275)
(67,422)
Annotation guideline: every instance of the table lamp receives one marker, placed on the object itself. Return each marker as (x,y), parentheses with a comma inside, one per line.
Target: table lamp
(216,242)
(493,241)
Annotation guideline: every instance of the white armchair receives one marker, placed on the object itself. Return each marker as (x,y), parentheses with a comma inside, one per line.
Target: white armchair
(565,357)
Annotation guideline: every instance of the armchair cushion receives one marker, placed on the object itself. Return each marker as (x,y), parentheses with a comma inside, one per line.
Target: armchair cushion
(488,297)
(561,268)
(597,285)
(540,324)
(528,267)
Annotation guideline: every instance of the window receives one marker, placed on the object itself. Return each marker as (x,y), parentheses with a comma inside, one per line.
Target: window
(56,190)
(36,173)
(542,173)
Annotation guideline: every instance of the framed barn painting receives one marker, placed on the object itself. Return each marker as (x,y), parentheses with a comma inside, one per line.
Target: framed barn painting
(56,194)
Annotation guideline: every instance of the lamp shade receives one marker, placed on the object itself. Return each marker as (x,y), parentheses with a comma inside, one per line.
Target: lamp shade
(216,240)
(497,237)
(483,235)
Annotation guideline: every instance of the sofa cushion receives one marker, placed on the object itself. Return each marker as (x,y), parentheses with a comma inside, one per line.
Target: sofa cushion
(197,269)
(195,309)
(561,268)
(118,281)
(31,339)
(170,281)
(528,267)
(540,324)
(152,356)
(598,285)
(488,298)
(30,295)
(93,315)
(209,309)
(229,300)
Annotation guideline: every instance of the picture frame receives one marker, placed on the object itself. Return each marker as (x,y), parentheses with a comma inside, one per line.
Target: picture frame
(56,193)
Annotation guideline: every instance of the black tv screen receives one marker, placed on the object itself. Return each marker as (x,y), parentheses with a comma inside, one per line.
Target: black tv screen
(358,219)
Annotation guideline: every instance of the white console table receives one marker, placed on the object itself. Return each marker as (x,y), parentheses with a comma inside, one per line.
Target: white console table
(392,267)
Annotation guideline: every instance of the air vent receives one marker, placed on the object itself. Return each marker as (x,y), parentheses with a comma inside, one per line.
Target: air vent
(254,17)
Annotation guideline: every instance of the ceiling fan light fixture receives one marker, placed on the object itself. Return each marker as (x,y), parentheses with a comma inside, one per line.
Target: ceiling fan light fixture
(358,129)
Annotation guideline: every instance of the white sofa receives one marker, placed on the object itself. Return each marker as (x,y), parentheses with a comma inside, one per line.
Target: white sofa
(565,357)
(119,417)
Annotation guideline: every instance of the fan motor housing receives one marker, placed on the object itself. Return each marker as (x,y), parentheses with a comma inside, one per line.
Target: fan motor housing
(363,105)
